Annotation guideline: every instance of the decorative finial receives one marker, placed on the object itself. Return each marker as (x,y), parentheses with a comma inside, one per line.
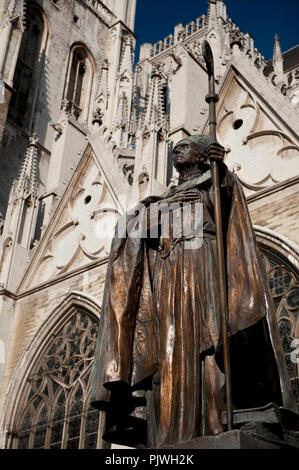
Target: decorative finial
(278,61)
(33,140)
(27,183)
(277,49)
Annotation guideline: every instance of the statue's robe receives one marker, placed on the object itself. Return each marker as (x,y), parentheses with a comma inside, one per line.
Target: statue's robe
(160,328)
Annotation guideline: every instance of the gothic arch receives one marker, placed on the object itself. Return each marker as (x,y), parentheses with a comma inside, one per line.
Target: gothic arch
(47,403)
(281,258)
(79,81)
(29,55)
(46,31)
(276,242)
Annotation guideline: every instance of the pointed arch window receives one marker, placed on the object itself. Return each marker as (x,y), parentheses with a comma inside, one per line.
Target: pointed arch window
(55,411)
(79,83)
(27,69)
(284,287)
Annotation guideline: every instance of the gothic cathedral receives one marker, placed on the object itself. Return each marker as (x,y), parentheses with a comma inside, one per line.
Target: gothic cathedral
(85,134)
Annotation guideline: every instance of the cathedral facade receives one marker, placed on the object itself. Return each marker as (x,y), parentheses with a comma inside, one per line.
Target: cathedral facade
(84,135)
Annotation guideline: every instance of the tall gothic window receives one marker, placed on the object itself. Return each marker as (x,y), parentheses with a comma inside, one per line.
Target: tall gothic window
(25,77)
(55,411)
(79,81)
(284,287)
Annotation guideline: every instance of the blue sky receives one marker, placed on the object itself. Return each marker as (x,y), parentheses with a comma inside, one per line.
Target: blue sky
(155,19)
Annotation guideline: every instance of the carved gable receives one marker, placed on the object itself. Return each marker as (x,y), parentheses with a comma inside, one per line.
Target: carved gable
(82,227)
(261,148)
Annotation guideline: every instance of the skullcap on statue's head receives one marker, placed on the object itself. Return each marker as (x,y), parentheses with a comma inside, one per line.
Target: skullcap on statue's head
(202,141)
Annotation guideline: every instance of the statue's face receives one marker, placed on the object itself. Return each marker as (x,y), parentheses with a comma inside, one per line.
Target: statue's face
(185,155)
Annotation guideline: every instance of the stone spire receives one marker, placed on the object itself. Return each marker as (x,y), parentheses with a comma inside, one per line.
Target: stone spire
(122,112)
(103,83)
(101,96)
(215,34)
(133,126)
(127,62)
(277,55)
(26,184)
(278,60)
(212,17)
(222,9)
(121,122)
(17,9)
(155,112)
(217,10)
(151,139)
(20,220)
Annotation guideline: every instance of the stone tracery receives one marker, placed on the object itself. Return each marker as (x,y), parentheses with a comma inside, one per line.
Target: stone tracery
(85,228)
(284,287)
(55,412)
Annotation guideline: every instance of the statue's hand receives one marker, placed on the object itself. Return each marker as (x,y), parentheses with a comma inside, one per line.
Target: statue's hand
(216,152)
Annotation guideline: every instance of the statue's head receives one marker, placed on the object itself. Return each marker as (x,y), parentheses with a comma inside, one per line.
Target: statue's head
(192,151)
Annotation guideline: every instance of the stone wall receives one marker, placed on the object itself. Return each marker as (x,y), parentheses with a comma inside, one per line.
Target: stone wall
(32,309)
(61,32)
(278,210)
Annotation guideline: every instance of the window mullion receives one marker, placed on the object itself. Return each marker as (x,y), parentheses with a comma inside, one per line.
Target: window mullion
(82,430)
(76,82)
(59,412)
(102,421)
(48,434)
(31,438)
(66,424)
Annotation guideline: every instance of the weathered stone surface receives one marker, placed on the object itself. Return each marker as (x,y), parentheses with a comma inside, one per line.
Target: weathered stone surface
(257,122)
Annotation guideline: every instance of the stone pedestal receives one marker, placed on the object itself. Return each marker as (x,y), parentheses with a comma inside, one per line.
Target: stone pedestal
(268,427)
(238,439)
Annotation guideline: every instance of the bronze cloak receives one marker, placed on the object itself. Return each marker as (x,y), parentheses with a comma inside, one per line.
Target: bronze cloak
(131,348)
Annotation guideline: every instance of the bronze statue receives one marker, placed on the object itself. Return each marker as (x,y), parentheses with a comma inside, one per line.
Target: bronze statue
(158,370)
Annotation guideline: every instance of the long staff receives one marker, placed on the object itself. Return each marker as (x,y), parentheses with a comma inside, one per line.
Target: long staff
(212,99)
